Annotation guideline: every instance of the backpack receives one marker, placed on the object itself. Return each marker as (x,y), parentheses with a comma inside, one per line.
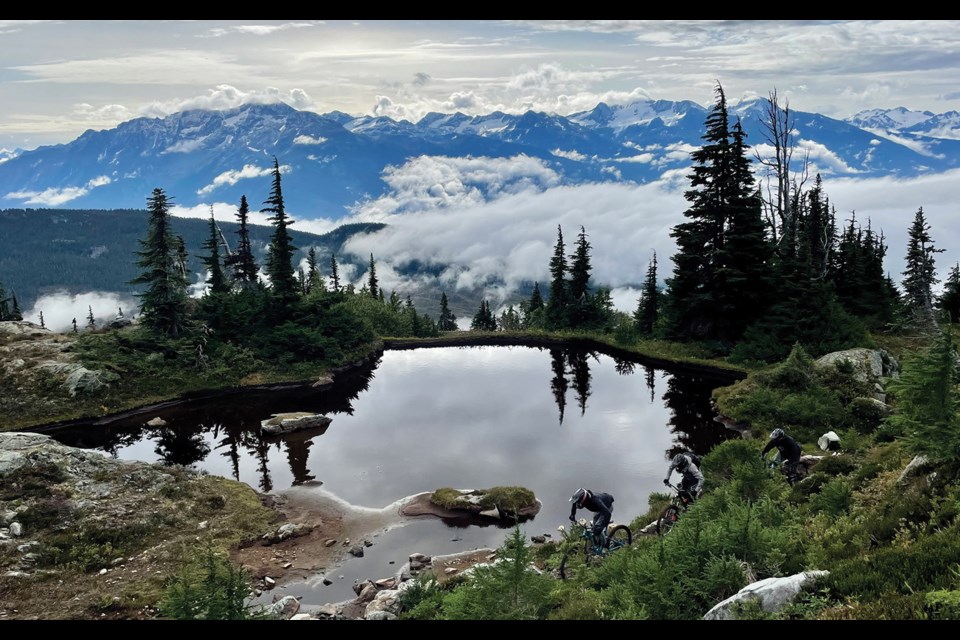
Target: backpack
(694,458)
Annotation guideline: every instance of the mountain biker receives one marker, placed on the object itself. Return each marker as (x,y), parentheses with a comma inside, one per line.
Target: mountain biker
(691,483)
(602,506)
(787,447)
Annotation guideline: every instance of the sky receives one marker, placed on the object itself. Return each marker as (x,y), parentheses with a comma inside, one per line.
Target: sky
(60,78)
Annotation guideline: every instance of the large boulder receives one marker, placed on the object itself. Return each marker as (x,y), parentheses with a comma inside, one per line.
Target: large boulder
(772,594)
(868,365)
(295,421)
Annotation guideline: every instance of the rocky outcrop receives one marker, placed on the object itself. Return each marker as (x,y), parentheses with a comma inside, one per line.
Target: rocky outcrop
(869,366)
(771,594)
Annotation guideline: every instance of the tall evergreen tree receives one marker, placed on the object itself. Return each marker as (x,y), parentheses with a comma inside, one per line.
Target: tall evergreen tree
(302,285)
(920,274)
(692,304)
(372,278)
(280,254)
(447,321)
(242,261)
(742,288)
(15,312)
(217,281)
(648,306)
(334,273)
(556,312)
(536,299)
(4,304)
(949,301)
(42,323)
(163,306)
(484,319)
(75,325)
(91,321)
(578,284)
(314,279)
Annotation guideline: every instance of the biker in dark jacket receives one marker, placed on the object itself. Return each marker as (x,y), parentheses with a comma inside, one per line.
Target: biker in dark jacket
(599,503)
(787,447)
(692,481)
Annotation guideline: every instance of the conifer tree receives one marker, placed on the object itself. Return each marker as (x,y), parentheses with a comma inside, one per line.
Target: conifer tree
(15,313)
(242,261)
(75,325)
(949,301)
(372,278)
(42,324)
(447,321)
(556,311)
(216,281)
(91,322)
(692,304)
(648,306)
(164,302)
(920,274)
(280,254)
(536,299)
(334,273)
(4,304)
(314,279)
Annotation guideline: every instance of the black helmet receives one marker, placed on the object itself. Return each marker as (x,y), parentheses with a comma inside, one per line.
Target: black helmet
(680,461)
(776,434)
(579,496)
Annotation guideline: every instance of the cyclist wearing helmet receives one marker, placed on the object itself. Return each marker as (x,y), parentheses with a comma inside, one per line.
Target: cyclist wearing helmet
(692,481)
(602,506)
(788,448)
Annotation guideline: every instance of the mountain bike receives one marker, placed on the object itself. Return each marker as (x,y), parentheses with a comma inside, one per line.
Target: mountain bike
(617,536)
(669,516)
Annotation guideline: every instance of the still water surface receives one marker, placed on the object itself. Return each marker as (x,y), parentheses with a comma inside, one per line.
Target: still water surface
(551,420)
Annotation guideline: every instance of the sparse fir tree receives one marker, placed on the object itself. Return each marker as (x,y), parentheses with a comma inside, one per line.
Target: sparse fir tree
(556,311)
(949,302)
(302,285)
(920,273)
(334,273)
(42,324)
(163,306)
(280,254)
(216,280)
(536,299)
(372,278)
(91,322)
(15,312)
(314,278)
(648,305)
(242,260)
(75,325)
(447,321)
(578,284)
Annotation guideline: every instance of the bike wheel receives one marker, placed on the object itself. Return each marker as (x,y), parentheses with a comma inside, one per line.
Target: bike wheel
(620,536)
(667,519)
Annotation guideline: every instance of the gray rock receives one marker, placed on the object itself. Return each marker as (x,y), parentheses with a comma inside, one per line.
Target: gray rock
(83,380)
(330,542)
(357,550)
(772,594)
(284,608)
(328,610)
(368,592)
(380,615)
(920,464)
(538,539)
(156,422)
(829,441)
(269,582)
(302,616)
(16,529)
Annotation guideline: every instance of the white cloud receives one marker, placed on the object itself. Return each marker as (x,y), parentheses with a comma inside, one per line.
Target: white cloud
(60,308)
(259,29)
(643,158)
(233,176)
(625,298)
(226,212)
(225,96)
(53,197)
(439,182)
(304,139)
(569,155)
(913,144)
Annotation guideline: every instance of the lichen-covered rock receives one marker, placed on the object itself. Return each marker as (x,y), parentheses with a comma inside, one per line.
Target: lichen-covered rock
(294,421)
(772,594)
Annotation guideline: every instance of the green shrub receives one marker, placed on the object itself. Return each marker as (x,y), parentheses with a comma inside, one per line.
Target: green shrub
(836,465)
(209,587)
(943,604)
(834,498)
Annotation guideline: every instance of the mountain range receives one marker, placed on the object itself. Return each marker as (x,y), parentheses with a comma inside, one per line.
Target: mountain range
(334,161)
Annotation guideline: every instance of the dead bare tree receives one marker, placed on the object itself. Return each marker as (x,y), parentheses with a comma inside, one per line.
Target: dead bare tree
(782,184)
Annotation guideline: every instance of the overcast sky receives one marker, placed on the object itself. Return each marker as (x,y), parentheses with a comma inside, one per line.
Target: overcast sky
(59,78)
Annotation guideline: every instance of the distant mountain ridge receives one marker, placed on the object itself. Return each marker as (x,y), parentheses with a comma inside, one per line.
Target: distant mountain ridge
(333,161)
